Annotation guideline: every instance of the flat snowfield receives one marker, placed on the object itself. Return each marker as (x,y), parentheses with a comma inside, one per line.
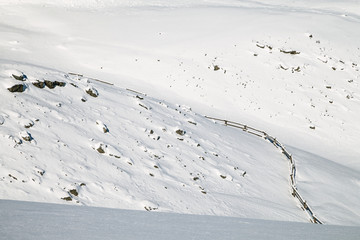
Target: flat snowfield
(103,104)
(26,220)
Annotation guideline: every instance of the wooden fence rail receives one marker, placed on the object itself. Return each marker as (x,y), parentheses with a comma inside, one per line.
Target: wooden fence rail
(295,193)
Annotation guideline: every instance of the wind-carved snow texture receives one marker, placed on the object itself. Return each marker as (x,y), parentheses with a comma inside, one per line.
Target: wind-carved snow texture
(126,150)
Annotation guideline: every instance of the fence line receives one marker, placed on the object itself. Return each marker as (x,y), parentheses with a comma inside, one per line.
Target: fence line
(95,79)
(295,193)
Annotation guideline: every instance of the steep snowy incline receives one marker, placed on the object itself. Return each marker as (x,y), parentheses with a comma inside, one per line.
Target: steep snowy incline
(290,68)
(91,143)
(170,50)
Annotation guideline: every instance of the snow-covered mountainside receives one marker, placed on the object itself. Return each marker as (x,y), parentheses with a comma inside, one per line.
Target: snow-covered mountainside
(127,130)
(97,144)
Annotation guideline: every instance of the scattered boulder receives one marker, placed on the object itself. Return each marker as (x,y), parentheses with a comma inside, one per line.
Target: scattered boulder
(2,120)
(29,124)
(26,136)
(180,132)
(39,84)
(21,77)
(101,148)
(102,126)
(53,84)
(296,69)
(150,208)
(60,84)
(92,92)
(67,199)
(74,192)
(216,68)
(50,84)
(17,88)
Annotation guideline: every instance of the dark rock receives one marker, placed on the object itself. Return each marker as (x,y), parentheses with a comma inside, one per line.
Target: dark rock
(67,198)
(39,84)
(100,150)
(74,192)
(216,68)
(180,132)
(50,84)
(60,84)
(17,88)
(53,84)
(20,78)
(29,124)
(26,137)
(92,92)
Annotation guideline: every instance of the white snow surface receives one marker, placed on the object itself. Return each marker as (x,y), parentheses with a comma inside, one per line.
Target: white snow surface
(52,221)
(168,51)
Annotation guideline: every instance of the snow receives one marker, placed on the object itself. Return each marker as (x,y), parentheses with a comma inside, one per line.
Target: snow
(153,155)
(51,221)
(140,141)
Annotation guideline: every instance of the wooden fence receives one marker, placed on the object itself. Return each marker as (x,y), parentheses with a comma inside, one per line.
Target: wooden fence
(295,193)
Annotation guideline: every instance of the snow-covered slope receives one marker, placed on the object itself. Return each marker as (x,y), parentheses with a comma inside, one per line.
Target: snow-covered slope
(126,150)
(290,68)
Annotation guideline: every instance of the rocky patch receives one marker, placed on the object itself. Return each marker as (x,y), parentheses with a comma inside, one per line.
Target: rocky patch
(102,126)
(39,84)
(92,92)
(26,136)
(17,88)
(19,77)
(53,84)
(180,132)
